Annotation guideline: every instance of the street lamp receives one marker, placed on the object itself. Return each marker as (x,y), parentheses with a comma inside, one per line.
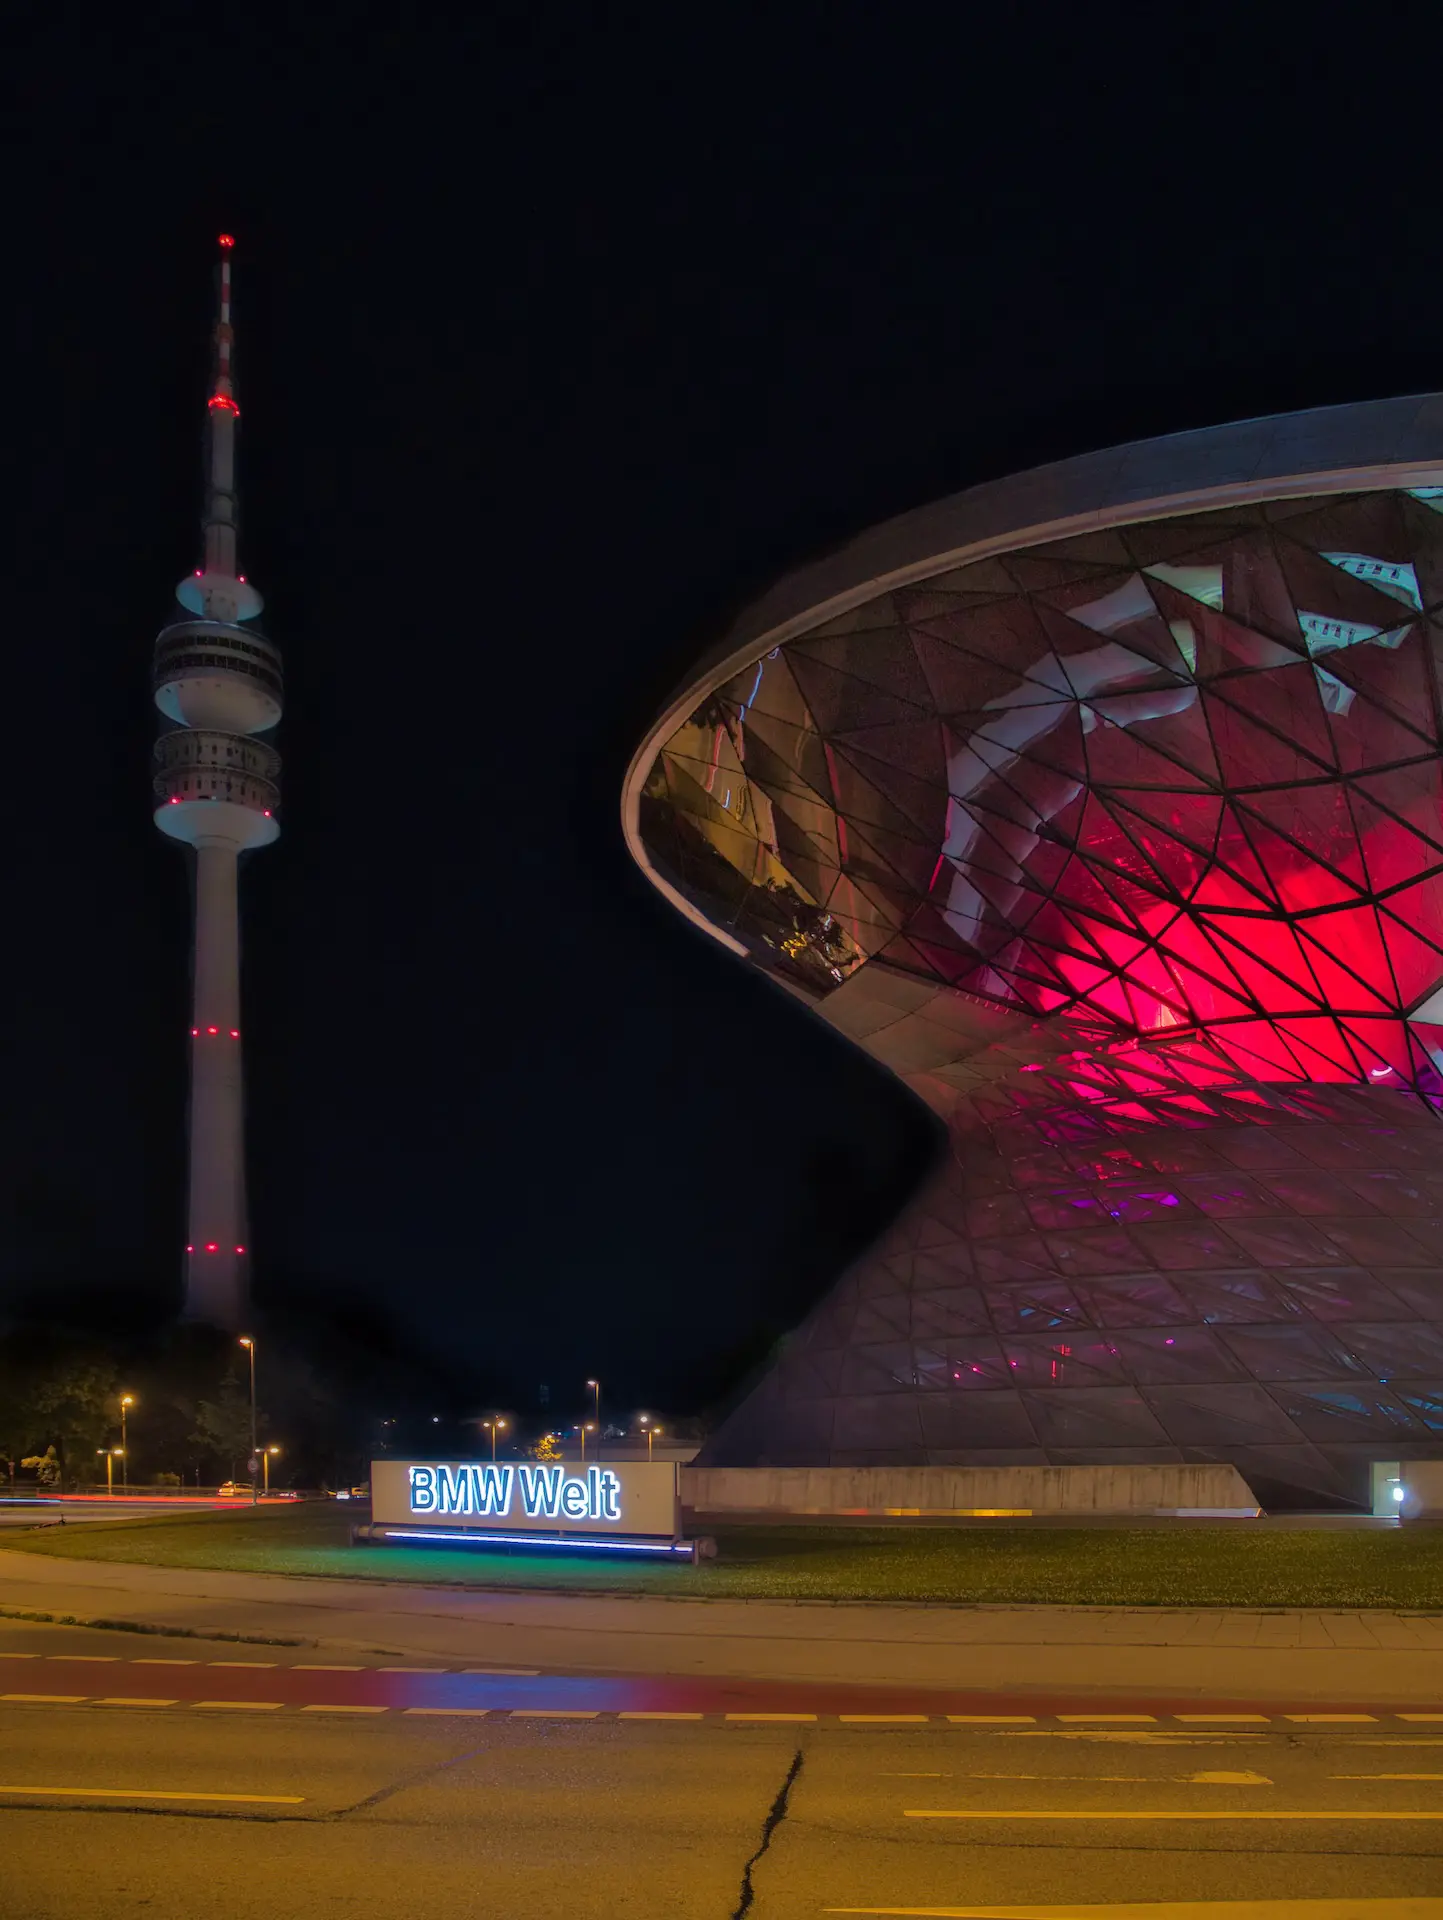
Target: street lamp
(587,1426)
(494,1426)
(250,1346)
(595,1386)
(126,1400)
(266,1464)
(110,1453)
(651,1434)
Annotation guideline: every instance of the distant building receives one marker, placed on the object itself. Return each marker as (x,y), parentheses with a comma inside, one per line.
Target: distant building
(217,680)
(1104,804)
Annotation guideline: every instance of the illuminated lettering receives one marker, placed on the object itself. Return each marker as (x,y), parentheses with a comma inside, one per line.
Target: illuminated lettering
(610,1496)
(574,1503)
(453,1489)
(423,1490)
(540,1491)
(494,1489)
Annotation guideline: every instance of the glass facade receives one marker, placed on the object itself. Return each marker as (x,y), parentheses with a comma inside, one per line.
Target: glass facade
(1164,803)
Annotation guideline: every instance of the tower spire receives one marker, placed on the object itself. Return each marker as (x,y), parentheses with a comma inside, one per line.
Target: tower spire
(218,590)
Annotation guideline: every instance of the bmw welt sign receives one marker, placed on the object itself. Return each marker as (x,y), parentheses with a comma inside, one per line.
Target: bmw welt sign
(627,1498)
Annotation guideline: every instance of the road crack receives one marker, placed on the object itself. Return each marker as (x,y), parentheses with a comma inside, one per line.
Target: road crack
(774,1819)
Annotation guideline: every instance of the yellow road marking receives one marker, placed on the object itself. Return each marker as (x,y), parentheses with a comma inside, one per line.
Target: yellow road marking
(1335,1719)
(1420,1716)
(551,1713)
(993,1719)
(304,1667)
(1077,1813)
(242,1706)
(148,1660)
(158,1793)
(771,1716)
(133,1700)
(19,1656)
(46,1699)
(1221,1719)
(411,1669)
(324,1708)
(464,1713)
(659,1716)
(884,1719)
(90,1659)
(514,1673)
(1385,1776)
(240,1663)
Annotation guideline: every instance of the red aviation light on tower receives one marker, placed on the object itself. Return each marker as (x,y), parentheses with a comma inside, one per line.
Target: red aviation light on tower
(226,240)
(224,404)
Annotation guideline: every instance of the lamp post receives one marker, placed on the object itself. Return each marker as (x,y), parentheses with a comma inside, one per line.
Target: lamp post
(250,1346)
(494,1426)
(266,1465)
(587,1426)
(595,1386)
(651,1434)
(126,1400)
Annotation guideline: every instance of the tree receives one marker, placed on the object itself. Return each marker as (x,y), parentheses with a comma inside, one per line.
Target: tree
(546,1450)
(223,1425)
(45,1466)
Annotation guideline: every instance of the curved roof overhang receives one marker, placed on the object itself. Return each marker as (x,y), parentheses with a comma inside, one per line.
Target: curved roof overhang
(1345,449)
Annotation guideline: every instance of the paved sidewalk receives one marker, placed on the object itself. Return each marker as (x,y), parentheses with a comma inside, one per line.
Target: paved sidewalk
(1282,1656)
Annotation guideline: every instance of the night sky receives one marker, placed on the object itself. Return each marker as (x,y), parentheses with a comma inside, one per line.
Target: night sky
(558,338)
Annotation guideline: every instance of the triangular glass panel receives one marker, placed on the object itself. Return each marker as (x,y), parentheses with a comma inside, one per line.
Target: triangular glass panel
(1345,949)
(1413,793)
(842,701)
(1417,966)
(1393,854)
(884,659)
(1118,755)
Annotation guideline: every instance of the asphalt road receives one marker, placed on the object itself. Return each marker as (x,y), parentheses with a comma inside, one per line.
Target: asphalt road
(285,1804)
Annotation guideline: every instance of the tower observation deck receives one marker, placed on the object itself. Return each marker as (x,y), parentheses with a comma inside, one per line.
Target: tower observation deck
(217,680)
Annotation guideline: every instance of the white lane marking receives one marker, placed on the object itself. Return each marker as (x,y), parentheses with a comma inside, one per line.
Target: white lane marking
(884,1719)
(771,1716)
(411,1669)
(88,1659)
(306,1668)
(1334,1719)
(47,1699)
(339,1709)
(133,1700)
(462,1713)
(993,1719)
(660,1716)
(156,1793)
(155,1660)
(240,1663)
(551,1713)
(1111,1719)
(1235,1813)
(1222,1719)
(514,1673)
(242,1706)
(1385,1776)
(22,1656)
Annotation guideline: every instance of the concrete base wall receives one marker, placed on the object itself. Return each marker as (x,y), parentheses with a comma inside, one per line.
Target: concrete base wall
(966,1491)
(1422,1490)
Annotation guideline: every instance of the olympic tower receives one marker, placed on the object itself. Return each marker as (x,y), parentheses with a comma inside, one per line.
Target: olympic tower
(217,681)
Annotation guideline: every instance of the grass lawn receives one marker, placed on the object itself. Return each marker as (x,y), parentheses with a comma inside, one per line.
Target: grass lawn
(1157,1567)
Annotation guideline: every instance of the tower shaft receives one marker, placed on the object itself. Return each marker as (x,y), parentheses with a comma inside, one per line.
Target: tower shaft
(216,1288)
